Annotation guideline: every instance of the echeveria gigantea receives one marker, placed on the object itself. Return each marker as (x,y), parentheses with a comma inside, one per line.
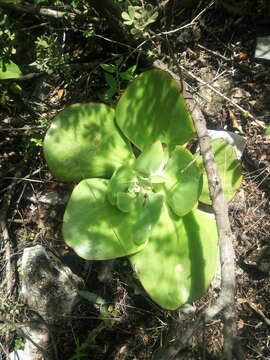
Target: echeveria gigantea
(145,206)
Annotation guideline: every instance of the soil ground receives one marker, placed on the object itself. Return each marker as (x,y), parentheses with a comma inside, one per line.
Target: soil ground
(219,49)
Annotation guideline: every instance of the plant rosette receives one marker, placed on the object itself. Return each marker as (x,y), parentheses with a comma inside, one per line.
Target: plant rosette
(144,206)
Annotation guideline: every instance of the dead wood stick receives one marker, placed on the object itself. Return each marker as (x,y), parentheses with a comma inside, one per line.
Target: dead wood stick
(225,301)
(259,312)
(37,10)
(10,267)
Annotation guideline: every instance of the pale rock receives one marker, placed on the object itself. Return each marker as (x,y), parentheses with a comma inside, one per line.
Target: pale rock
(262,52)
(48,286)
(51,290)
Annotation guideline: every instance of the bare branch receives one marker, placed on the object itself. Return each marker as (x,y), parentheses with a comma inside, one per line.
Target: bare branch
(10,268)
(38,10)
(164,33)
(225,301)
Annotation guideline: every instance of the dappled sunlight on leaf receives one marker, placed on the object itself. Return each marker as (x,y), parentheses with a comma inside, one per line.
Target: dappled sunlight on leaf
(152,108)
(183,181)
(179,261)
(98,230)
(83,142)
(229,169)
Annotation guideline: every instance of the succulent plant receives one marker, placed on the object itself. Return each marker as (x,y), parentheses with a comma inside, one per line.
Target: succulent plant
(139,187)
(139,17)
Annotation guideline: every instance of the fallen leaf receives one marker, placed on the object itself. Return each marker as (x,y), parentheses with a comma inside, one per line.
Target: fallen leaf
(243,56)
(241,301)
(234,122)
(60,94)
(240,324)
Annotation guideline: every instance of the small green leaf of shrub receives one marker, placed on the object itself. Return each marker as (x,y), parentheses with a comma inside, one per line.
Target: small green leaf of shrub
(9,70)
(114,78)
(18,344)
(267,130)
(91,297)
(139,17)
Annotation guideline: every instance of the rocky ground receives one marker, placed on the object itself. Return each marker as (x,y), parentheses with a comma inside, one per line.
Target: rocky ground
(118,321)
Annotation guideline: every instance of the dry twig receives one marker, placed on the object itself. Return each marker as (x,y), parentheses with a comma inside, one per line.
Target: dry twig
(259,312)
(10,268)
(37,10)
(225,301)
(166,33)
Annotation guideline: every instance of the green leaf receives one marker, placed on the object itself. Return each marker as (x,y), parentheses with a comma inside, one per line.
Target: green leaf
(131,11)
(229,169)
(92,297)
(105,316)
(152,108)
(137,33)
(111,81)
(125,201)
(83,142)
(125,16)
(121,181)
(267,130)
(183,183)
(148,212)
(9,70)
(128,22)
(119,61)
(97,230)
(157,179)
(109,67)
(129,73)
(150,160)
(179,260)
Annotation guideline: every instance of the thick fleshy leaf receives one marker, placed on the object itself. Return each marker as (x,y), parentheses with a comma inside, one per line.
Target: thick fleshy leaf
(9,71)
(148,215)
(97,230)
(179,260)
(238,142)
(83,142)
(229,169)
(152,108)
(121,181)
(183,183)
(150,160)
(157,179)
(125,201)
